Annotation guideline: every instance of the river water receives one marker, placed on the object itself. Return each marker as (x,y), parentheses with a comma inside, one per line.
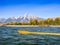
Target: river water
(10,36)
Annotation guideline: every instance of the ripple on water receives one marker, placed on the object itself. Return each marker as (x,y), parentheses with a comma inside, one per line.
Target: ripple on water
(10,36)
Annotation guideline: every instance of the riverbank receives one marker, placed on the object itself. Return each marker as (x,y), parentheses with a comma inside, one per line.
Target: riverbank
(22,25)
(32,25)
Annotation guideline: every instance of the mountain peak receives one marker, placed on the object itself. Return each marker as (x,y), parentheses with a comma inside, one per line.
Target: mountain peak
(26,18)
(12,18)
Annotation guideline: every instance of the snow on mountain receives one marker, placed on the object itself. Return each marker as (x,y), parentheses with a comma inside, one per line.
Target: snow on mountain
(21,18)
(27,18)
(11,19)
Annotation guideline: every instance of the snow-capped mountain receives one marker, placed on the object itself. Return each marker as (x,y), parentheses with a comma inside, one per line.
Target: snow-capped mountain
(2,20)
(27,18)
(11,19)
(21,18)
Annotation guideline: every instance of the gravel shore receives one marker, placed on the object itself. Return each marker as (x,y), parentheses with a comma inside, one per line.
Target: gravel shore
(33,25)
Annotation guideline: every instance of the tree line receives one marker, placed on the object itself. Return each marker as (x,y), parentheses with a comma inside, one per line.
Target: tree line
(48,21)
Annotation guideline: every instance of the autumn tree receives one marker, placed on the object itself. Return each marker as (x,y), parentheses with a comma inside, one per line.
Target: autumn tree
(33,22)
(41,22)
(57,21)
(10,23)
(30,22)
(23,23)
(49,21)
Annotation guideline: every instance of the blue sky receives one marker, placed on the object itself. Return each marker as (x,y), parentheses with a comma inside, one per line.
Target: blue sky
(41,8)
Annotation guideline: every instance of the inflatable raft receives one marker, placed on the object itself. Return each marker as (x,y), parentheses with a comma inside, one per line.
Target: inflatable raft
(40,33)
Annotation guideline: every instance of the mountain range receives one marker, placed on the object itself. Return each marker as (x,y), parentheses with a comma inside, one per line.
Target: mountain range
(20,18)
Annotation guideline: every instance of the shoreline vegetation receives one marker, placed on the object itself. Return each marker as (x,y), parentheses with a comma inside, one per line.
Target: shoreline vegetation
(49,22)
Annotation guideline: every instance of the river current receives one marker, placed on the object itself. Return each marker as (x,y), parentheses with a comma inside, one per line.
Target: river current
(10,36)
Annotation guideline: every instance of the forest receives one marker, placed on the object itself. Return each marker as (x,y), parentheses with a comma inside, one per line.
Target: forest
(48,21)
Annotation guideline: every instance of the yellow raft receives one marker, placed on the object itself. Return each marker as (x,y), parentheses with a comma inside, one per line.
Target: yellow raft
(41,33)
